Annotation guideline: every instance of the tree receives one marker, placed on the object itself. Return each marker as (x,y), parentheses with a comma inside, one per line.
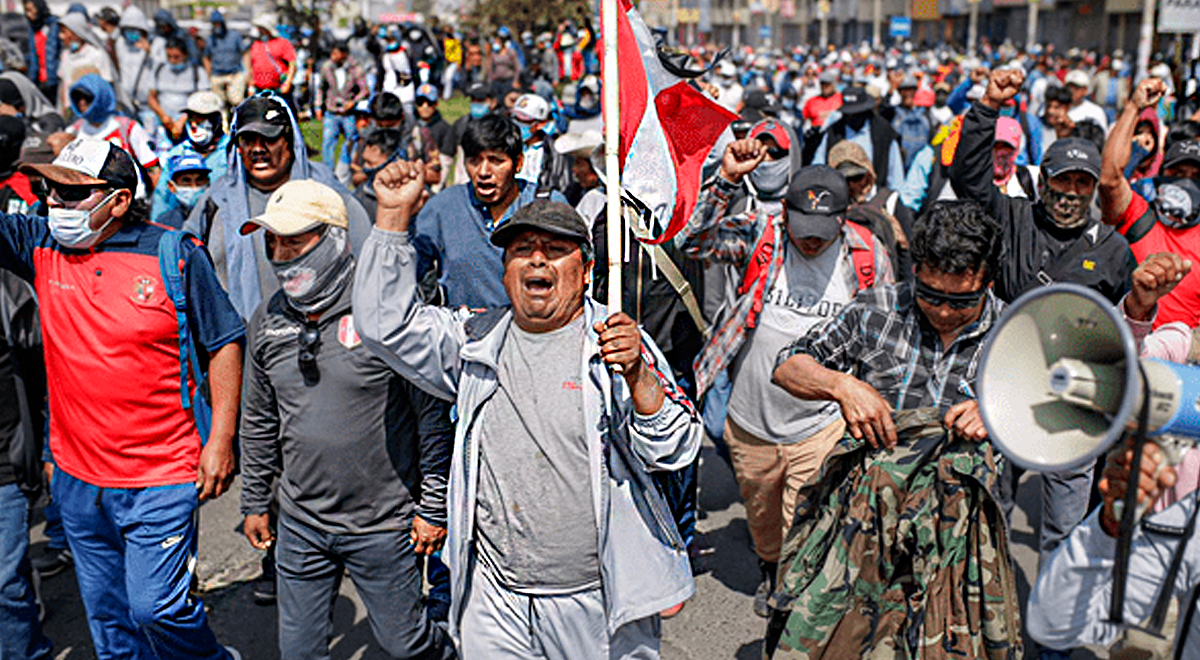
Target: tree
(521,15)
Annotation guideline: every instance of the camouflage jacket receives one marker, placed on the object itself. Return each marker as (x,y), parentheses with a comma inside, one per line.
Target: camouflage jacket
(900,554)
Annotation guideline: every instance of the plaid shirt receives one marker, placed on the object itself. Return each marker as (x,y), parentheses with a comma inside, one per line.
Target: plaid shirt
(714,236)
(883,339)
(330,97)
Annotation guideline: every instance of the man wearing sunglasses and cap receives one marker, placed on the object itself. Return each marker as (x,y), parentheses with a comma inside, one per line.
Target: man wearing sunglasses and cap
(365,455)
(559,545)
(131,465)
(798,263)
(891,352)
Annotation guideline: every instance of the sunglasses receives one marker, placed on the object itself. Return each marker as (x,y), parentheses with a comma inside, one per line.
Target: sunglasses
(424,101)
(72,194)
(310,341)
(938,298)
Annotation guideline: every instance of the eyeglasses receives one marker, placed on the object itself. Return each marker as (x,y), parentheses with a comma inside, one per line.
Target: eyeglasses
(424,101)
(310,341)
(938,298)
(72,194)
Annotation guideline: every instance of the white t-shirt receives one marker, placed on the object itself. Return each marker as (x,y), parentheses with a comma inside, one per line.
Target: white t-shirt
(175,88)
(73,66)
(807,292)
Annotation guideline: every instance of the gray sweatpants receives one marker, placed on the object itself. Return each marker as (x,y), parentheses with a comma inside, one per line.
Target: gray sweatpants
(502,624)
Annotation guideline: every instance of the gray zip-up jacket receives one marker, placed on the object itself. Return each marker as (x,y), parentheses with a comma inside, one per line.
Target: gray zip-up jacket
(360,448)
(643,562)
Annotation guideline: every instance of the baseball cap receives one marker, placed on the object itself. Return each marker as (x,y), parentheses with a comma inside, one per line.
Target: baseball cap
(1183,151)
(299,206)
(816,199)
(829,76)
(1008,131)
(479,91)
(1077,77)
(855,101)
(772,129)
(1069,155)
(87,162)
(909,82)
(427,91)
(553,217)
(189,162)
(850,159)
(12,136)
(204,103)
(263,115)
(579,144)
(530,108)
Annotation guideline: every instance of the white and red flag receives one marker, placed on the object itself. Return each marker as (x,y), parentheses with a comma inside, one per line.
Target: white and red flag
(668,127)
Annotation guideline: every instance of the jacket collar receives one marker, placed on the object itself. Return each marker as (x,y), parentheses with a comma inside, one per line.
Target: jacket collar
(486,350)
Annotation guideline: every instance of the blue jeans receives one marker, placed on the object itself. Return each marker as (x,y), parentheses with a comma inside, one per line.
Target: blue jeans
(334,126)
(385,571)
(135,549)
(21,635)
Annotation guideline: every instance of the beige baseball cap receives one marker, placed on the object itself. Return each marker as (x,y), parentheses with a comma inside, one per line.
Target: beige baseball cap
(300,206)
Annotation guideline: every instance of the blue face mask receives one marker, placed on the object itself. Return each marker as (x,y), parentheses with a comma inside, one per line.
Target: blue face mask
(479,109)
(179,68)
(132,37)
(526,131)
(189,196)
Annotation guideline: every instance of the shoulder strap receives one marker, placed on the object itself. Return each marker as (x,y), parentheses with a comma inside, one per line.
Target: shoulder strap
(172,262)
(890,204)
(1026,180)
(864,260)
(663,262)
(760,258)
(157,72)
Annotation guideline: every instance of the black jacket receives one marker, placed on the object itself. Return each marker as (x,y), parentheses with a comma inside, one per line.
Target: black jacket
(1036,252)
(23,393)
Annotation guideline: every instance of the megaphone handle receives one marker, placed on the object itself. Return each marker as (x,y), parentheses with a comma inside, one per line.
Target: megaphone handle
(1116,605)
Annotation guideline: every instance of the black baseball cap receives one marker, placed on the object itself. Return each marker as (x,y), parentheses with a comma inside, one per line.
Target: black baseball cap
(1071,155)
(263,115)
(1183,151)
(479,91)
(856,101)
(553,217)
(9,94)
(816,199)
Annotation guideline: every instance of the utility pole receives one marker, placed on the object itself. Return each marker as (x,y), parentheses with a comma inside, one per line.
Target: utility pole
(973,27)
(823,8)
(877,24)
(1031,36)
(1146,40)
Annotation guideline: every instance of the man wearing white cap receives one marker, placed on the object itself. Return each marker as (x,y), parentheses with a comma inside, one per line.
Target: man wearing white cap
(542,165)
(132,466)
(365,455)
(204,131)
(1082,109)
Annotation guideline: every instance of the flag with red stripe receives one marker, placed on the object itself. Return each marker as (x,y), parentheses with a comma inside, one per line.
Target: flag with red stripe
(668,127)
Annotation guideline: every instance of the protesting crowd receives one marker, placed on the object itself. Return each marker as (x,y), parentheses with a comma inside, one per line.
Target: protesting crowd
(395,337)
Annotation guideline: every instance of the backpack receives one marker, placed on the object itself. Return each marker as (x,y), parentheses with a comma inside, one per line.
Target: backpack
(172,261)
(760,258)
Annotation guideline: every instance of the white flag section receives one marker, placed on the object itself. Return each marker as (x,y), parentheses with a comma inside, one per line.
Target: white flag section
(668,128)
(1179,16)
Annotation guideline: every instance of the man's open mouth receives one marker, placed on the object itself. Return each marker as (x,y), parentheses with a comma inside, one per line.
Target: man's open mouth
(538,285)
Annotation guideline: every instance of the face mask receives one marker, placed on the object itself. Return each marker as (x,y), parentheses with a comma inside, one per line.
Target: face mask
(219,29)
(200,135)
(1177,202)
(189,196)
(939,99)
(857,122)
(132,37)
(588,102)
(264,37)
(1067,210)
(393,46)
(75,46)
(479,109)
(179,68)
(1004,163)
(770,178)
(314,280)
(495,48)
(71,227)
(526,131)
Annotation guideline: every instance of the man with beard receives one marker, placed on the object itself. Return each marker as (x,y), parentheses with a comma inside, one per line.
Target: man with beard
(1049,240)
(1168,224)
(798,263)
(458,221)
(860,124)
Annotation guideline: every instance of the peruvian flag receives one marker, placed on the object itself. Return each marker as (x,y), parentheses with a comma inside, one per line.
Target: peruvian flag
(668,128)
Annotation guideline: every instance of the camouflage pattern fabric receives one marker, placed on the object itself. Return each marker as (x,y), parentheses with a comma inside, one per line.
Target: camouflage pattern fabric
(900,554)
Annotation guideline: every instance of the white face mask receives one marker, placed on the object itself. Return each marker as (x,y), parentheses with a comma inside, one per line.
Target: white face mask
(200,134)
(72,227)
(189,196)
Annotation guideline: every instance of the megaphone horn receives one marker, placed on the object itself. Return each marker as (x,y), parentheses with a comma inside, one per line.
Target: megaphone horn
(1060,381)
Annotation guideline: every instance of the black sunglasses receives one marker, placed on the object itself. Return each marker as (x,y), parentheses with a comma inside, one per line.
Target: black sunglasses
(424,101)
(310,341)
(938,298)
(73,194)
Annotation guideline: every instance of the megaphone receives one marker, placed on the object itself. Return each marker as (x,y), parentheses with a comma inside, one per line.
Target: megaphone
(1060,381)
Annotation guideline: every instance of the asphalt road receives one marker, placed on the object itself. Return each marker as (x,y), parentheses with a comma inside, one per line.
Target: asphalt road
(718,624)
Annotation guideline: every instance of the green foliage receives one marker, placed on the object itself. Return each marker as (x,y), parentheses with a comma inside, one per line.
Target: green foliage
(521,15)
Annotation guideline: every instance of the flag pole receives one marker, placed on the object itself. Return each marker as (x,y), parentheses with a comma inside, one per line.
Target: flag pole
(612,166)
